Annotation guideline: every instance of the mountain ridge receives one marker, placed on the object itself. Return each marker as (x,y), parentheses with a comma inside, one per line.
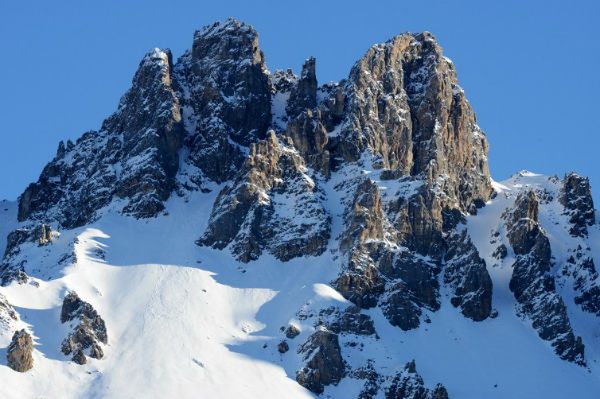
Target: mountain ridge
(380,183)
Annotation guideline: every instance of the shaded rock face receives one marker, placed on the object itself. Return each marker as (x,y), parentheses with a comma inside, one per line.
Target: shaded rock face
(89,329)
(19,354)
(381,272)
(309,137)
(134,156)
(227,93)
(13,267)
(576,197)
(348,321)
(408,384)
(303,95)
(323,361)
(292,331)
(377,273)
(532,283)
(273,205)
(465,272)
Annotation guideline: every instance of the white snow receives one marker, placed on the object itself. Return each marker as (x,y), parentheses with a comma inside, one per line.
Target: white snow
(186,321)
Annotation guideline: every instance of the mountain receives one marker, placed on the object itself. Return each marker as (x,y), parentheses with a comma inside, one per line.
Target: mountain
(234,232)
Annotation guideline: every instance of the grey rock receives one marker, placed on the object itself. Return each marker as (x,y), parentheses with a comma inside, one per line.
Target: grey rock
(283,347)
(405,106)
(273,204)
(7,313)
(324,364)
(408,384)
(89,329)
(576,197)
(226,85)
(19,354)
(292,331)
(309,136)
(143,138)
(533,285)
(466,273)
(79,357)
(348,321)
(303,96)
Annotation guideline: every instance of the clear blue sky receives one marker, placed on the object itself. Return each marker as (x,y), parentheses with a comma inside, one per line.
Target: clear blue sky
(531,69)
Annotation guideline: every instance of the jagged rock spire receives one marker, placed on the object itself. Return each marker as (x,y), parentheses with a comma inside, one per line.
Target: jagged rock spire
(226,85)
(134,156)
(406,107)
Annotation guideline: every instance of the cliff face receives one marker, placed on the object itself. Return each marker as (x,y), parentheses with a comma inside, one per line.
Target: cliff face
(382,179)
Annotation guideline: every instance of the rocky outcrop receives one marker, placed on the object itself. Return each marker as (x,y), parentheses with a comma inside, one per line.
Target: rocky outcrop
(226,91)
(361,282)
(323,361)
(467,276)
(303,95)
(19,354)
(134,156)
(89,329)
(272,205)
(408,384)
(13,265)
(292,331)
(413,287)
(309,137)
(576,197)
(532,283)
(378,272)
(7,313)
(405,107)
(45,236)
(347,321)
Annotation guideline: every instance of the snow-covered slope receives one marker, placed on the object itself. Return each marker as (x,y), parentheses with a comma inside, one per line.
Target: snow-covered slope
(349,245)
(184,319)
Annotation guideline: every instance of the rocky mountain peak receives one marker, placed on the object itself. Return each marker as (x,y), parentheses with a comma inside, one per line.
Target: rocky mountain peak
(405,106)
(303,95)
(354,212)
(230,40)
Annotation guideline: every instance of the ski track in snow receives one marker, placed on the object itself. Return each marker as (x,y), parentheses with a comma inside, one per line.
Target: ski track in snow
(185,321)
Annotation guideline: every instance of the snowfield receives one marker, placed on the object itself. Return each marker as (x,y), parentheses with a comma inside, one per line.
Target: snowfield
(186,321)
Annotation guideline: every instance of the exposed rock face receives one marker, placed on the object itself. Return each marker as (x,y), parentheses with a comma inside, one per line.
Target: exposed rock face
(134,156)
(406,107)
(465,272)
(378,272)
(292,331)
(408,384)
(7,313)
(532,283)
(309,137)
(13,266)
(45,235)
(361,282)
(303,95)
(89,329)
(226,89)
(283,347)
(19,354)
(273,204)
(348,321)
(576,197)
(323,361)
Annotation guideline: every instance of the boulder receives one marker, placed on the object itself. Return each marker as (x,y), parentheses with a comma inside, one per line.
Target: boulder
(19,354)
